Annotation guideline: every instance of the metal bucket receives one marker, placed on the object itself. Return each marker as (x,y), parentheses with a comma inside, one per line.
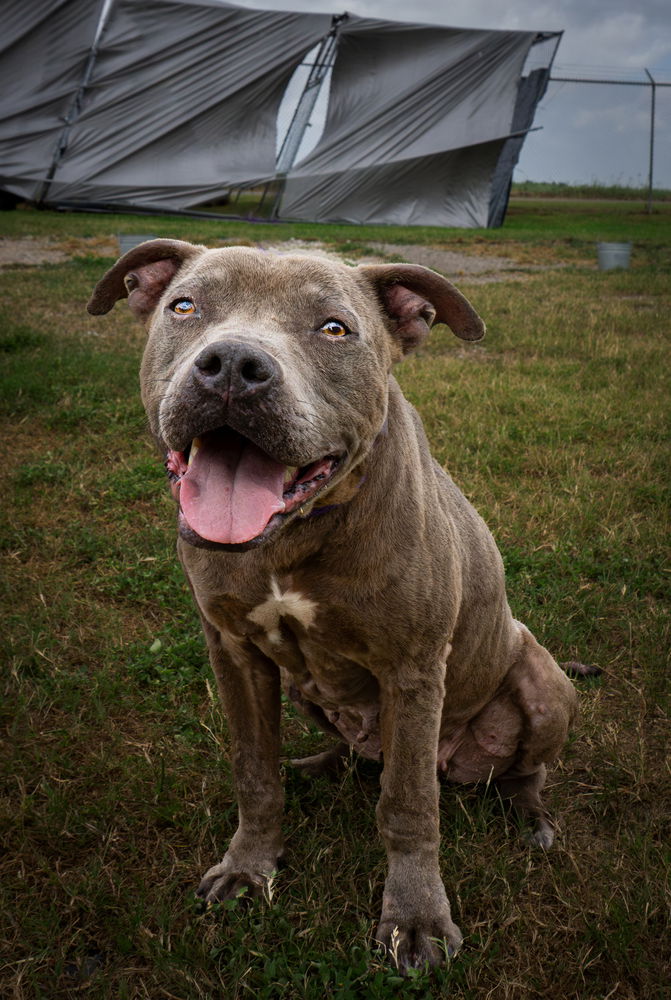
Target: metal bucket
(129,240)
(612,255)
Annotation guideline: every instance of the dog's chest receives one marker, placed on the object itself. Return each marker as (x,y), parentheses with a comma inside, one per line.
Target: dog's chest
(282,606)
(318,662)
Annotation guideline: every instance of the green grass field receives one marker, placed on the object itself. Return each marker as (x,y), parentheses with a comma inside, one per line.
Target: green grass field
(116,791)
(617,192)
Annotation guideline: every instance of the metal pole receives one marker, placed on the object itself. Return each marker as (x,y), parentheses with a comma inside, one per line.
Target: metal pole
(76,105)
(652,137)
(303,111)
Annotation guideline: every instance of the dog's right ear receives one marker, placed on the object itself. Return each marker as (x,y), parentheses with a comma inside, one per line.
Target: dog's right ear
(141,276)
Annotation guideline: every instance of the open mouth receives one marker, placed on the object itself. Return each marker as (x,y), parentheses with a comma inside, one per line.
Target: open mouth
(231,492)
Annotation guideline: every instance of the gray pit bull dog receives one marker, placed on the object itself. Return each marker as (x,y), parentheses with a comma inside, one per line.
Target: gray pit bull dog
(329,554)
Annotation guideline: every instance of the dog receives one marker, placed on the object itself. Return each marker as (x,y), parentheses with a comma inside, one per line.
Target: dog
(331,557)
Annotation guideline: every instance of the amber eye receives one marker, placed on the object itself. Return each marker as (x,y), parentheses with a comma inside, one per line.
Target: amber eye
(183,307)
(334,328)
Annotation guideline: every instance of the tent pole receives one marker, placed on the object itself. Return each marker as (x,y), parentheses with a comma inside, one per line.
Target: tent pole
(303,112)
(76,106)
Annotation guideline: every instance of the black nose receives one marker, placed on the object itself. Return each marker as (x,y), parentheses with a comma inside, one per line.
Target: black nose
(229,365)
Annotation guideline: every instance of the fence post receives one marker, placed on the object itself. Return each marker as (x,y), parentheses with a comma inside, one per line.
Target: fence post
(653,84)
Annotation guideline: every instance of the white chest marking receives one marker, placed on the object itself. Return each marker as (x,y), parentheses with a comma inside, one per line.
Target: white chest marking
(279,604)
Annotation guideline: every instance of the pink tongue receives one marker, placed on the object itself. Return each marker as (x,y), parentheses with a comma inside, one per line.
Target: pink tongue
(231,489)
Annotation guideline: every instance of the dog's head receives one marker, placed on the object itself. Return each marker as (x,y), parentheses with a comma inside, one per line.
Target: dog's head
(265,377)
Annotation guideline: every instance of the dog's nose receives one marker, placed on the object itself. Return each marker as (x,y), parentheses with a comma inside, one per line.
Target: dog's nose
(229,365)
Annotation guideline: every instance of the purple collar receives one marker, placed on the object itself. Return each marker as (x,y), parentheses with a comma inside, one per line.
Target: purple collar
(317,511)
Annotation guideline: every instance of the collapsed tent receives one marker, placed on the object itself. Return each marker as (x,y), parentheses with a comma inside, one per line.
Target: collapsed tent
(178,104)
(170,104)
(419,117)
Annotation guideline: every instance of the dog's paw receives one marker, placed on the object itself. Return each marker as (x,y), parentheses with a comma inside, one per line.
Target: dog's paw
(227,881)
(418,944)
(542,835)
(329,762)
(576,669)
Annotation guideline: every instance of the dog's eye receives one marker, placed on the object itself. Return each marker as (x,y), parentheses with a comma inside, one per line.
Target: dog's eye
(334,328)
(183,307)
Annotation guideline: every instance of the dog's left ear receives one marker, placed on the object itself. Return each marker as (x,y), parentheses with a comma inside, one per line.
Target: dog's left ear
(414,297)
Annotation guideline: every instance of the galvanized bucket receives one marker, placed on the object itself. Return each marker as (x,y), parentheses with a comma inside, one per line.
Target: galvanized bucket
(612,255)
(129,240)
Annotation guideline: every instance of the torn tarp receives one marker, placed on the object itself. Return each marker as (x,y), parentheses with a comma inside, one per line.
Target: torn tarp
(418,116)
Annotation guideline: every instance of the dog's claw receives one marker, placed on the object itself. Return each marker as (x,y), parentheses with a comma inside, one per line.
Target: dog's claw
(225,882)
(238,887)
(418,947)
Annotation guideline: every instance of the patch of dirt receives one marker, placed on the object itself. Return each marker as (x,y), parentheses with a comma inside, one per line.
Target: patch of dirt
(447,261)
(30,251)
(469,268)
(476,268)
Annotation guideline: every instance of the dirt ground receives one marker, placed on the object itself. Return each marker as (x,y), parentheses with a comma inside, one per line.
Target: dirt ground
(31,251)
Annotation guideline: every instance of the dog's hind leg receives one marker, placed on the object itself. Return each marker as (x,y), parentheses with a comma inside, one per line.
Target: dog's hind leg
(524,790)
(576,669)
(547,703)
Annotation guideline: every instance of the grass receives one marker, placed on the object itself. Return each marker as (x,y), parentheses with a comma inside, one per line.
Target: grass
(617,192)
(116,791)
(533,222)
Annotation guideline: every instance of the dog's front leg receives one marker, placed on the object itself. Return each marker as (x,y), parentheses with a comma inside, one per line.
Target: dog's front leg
(415,909)
(249,687)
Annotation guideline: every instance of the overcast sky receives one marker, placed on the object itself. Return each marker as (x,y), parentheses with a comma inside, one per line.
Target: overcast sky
(590,132)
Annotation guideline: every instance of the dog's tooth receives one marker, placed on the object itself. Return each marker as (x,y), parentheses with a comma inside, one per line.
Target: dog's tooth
(195,445)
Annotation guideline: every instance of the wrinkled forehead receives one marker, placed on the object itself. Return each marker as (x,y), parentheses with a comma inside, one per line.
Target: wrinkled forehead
(250,280)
